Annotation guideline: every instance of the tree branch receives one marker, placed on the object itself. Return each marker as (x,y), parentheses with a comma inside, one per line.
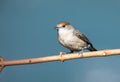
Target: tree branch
(61,57)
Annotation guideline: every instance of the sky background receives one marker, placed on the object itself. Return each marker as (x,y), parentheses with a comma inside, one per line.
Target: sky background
(27,31)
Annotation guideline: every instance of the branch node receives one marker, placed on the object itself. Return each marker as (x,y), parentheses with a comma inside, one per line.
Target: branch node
(30,61)
(1,63)
(104,53)
(61,56)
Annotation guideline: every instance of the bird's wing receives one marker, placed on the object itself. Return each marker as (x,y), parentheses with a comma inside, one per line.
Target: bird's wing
(81,36)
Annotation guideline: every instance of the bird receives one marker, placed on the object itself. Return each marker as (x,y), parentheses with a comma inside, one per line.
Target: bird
(73,39)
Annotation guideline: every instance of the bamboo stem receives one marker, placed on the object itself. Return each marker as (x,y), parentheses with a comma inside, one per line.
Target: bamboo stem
(60,57)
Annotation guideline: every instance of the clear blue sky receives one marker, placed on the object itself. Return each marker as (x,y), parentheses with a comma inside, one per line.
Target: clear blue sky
(27,31)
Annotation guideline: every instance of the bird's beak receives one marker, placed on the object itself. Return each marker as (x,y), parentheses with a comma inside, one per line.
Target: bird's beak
(56,28)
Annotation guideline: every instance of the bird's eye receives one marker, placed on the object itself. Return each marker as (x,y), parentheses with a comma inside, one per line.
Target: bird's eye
(63,25)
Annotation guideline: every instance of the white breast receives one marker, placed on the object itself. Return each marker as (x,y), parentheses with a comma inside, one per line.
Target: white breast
(66,35)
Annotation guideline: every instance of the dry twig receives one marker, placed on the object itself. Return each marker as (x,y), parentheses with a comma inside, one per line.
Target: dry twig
(61,57)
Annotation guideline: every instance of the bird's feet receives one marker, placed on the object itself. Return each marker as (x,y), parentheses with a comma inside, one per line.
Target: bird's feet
(61,55)
(80,53)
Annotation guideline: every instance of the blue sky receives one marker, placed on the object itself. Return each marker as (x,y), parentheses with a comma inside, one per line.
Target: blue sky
(27,31)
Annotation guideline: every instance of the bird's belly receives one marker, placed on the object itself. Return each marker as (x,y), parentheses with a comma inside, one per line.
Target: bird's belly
(73,43)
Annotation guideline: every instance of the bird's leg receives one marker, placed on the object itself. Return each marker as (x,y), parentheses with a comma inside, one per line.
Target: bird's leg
(61,55)
(81,52)
(71,51)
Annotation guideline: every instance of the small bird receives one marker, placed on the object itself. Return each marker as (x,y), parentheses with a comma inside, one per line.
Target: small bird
(72,38)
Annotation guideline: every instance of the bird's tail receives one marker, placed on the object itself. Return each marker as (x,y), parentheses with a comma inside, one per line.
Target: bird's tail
(91,48)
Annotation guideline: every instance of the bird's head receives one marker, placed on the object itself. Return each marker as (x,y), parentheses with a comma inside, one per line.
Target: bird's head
(64,26)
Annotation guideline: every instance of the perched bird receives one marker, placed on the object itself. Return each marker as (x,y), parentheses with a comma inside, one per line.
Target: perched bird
(72,38)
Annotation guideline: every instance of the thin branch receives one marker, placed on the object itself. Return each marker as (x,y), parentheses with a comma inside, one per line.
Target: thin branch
(61,57)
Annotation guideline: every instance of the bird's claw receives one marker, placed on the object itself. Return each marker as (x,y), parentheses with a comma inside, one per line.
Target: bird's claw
(61,55)
(80,53)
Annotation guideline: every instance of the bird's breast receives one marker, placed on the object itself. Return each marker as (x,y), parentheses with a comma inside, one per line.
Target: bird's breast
(66,37)
(65,34)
